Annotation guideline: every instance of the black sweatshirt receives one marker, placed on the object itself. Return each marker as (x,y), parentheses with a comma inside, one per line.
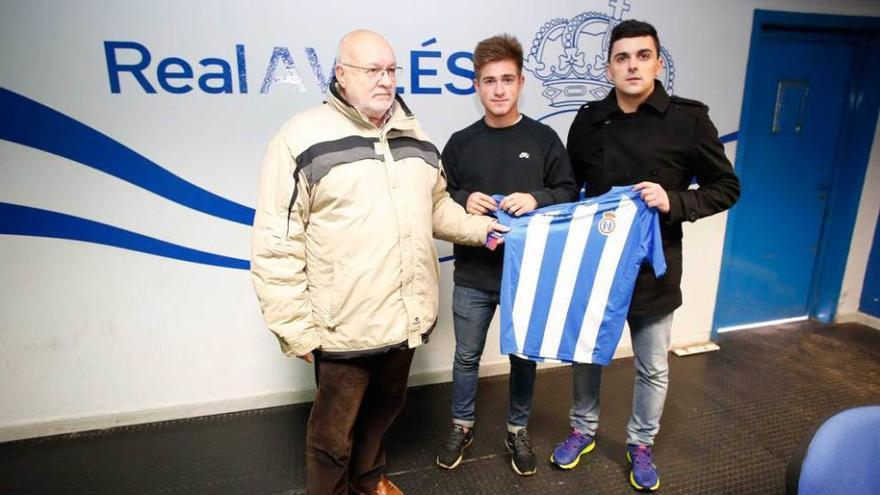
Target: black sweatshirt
(526,157)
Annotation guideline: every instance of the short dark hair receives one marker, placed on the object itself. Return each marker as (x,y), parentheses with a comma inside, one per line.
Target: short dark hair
(497,48)
(632,28)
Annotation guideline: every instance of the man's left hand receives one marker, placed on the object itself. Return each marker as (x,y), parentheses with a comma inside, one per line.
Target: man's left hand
(653,195)
(518,203)
(495,235)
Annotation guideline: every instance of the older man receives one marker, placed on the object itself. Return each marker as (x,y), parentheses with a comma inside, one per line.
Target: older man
(352,193)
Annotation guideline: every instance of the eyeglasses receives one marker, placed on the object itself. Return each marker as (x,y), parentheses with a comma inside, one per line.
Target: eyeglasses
(376,73)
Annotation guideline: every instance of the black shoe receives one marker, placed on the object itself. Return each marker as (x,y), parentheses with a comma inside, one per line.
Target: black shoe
(522,459)
(453,448)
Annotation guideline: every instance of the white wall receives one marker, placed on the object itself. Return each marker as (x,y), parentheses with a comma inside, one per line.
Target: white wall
(863,237)
(94,336)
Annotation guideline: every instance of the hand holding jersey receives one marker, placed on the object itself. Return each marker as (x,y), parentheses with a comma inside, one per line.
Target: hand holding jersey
(480,204)
(516,204)
(653,195)
(495,235)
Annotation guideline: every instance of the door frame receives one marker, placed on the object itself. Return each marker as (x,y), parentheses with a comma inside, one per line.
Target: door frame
(851,160)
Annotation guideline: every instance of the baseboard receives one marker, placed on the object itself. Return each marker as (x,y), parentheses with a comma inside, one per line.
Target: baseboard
(61,426)
(859,317)
(66,425)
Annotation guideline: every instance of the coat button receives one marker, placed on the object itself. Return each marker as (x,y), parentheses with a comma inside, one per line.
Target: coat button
(607,121)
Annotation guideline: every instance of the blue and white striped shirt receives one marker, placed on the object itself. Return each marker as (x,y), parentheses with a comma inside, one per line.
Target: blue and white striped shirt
(569,274)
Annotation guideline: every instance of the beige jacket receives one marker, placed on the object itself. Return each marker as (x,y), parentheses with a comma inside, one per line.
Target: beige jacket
(348,263)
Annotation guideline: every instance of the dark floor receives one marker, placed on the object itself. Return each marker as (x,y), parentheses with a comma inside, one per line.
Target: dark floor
(732,419)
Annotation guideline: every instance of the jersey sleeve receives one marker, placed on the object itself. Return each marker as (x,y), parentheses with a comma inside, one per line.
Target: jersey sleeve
(652,241)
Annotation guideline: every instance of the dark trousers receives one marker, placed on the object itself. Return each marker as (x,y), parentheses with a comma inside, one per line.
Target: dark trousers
(356,401)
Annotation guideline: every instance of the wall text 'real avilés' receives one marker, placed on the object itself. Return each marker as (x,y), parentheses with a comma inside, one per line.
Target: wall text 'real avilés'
(132,67)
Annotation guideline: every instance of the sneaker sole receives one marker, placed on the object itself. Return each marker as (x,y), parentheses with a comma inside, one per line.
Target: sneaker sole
(513,464)
(632,479)
(573,464)
(460,457)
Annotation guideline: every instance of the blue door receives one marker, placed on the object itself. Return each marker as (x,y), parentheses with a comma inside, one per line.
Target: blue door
(790,136)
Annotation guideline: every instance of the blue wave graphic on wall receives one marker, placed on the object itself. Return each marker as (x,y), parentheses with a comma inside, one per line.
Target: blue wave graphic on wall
(25,220)
(32,124)
(29,123)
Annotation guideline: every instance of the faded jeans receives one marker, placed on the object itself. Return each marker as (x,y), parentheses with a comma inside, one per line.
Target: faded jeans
(650,341)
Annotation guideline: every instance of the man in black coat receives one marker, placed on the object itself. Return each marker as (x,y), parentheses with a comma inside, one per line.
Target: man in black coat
(669,150)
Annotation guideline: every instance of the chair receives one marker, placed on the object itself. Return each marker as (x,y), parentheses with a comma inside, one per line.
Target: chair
(842,456)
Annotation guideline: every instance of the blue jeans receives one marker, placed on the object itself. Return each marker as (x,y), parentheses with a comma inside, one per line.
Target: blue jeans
(472,311)
(650,341)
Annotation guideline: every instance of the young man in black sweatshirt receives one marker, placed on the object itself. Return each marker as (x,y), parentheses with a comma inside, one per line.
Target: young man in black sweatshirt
(509,154)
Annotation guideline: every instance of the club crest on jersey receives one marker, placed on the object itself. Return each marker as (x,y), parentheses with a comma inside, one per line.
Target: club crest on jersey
(607,223)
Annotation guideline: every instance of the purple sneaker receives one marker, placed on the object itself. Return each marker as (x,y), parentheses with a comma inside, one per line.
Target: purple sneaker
(568,453)
(643,476)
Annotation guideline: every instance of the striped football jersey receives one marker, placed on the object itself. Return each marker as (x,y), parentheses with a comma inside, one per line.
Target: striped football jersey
(569,273)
